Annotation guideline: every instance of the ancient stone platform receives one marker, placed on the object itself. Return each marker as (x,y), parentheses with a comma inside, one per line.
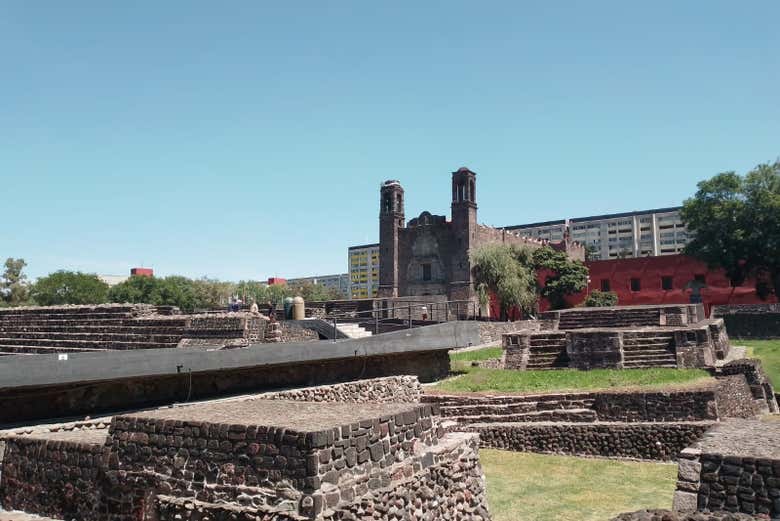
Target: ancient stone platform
(734,467)
(249,459)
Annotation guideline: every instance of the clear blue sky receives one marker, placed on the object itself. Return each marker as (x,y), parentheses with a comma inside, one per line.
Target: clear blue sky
(248,139)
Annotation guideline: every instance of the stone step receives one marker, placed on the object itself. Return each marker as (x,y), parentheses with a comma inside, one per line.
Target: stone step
(648,345)
(650,352)
(117,345)
(8,350)
(645,365)
(99,337)
(564,415)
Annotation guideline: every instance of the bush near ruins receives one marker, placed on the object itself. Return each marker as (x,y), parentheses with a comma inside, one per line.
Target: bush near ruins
(69,287)
(598,299)
(510,272)
(170,291)
(735,224)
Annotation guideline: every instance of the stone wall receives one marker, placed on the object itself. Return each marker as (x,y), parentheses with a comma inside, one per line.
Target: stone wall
(490,332)
(377,390)
(626,406)
(750,320)
(735,467)
(648,441)
(295,333)
(53,477)
(757,380)
(447,483)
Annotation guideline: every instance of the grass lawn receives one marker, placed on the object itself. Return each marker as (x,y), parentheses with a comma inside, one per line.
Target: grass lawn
(477,379)
(530,487)
(768,351)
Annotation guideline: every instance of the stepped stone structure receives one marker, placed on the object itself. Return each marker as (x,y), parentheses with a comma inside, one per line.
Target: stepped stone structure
(618,337)
(256,458)
(750,320)
(109,327)
(734,467)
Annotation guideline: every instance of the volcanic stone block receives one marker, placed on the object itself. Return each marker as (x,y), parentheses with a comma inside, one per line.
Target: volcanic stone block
(594,349)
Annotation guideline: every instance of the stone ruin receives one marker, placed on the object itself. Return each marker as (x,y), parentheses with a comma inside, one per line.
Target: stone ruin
(70,329)
(675,336)
(255,458)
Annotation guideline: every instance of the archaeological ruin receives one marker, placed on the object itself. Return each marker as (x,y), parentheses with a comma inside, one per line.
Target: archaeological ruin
(142,413)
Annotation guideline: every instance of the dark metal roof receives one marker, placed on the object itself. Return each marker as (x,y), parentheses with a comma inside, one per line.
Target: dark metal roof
(626,214)
(376,245)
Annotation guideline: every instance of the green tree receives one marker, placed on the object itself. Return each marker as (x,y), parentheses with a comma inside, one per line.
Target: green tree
(69,287)
(507,272)
(316,292)
(14,288)
(598,299)
(735,224)
(565,276)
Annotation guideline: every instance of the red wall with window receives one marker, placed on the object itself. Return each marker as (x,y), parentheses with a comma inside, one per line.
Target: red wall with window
(644,280)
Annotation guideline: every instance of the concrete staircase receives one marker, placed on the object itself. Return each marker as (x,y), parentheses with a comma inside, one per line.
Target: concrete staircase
(581,319)
(648,349)
(352,330)
(572,408)
(548,351)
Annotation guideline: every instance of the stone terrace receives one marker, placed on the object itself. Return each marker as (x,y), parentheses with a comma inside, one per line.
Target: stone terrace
(70,329)
(248,459)
(734,467)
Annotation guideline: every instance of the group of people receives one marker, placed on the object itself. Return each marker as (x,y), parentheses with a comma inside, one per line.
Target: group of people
(236,304)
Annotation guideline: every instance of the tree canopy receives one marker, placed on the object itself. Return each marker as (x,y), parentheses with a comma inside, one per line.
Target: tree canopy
(735,224)
(69,287)
(510,272)
(14,288)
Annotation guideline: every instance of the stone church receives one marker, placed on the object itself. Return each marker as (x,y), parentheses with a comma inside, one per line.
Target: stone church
(429,255)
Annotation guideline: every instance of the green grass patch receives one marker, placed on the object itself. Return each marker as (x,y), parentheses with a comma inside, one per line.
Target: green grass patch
(768,351)
(478,354)
(534,487)
(477,379)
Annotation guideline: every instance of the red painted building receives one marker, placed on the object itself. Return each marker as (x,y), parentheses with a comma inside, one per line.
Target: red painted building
(276,281)
(142,272)
(656,280)
(666,280)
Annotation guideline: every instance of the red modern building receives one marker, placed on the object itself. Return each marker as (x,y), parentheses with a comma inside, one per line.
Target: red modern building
(669,279)
(276,281)
(142,272)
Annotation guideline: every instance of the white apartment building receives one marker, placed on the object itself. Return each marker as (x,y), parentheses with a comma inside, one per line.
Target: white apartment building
(338,282)
(363,262)
(632,234)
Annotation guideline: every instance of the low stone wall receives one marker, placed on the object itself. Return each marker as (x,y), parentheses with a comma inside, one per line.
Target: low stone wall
(490,332)
(760,387)
(445,483)
(647,441)
(614,406)
(672,515)
(53,477)
(294,333)
(735,467)
(750,320)
(376,390)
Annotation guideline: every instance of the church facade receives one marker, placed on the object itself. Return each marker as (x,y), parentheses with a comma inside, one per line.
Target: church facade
(429,255)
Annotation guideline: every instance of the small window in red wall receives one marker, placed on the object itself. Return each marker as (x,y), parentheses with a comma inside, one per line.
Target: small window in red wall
(700,277)
(666,283)
(605,285)
(636,285)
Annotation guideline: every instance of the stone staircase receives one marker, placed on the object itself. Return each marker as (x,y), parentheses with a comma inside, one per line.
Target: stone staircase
(572,408)
(71,329)
(648,349)
(612,318)
(548,351)
(352,330)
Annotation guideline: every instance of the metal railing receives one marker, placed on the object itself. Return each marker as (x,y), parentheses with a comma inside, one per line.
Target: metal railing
(406,314)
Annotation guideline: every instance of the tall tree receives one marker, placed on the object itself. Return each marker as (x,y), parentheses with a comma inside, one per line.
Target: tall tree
(14,288)
(565,276)
(735,223)
(507,272)
(69,287)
